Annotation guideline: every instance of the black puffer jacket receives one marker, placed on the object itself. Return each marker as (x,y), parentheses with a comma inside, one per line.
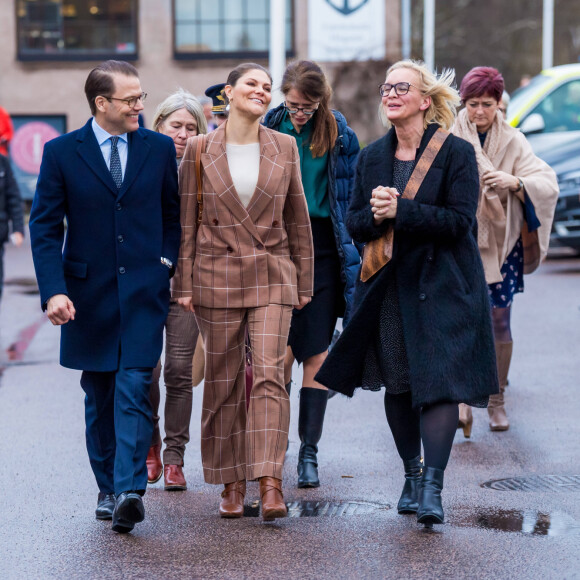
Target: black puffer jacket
(10,201)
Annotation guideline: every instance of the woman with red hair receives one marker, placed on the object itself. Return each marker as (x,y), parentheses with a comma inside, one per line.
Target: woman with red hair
(517,198)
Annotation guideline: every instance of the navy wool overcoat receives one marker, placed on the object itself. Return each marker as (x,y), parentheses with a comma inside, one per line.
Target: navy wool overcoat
(110,265)
(441,287)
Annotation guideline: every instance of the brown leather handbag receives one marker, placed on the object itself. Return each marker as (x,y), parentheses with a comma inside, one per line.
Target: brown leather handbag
(378,253)
(200,146)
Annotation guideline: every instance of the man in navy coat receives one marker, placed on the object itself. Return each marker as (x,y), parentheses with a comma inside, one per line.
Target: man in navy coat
(108,286)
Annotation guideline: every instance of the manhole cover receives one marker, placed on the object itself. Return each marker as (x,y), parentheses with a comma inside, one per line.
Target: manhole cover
(21,282)
(536,483)
(316,509)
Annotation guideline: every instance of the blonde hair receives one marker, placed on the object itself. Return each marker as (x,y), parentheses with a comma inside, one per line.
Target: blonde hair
(180,99)
(441,88)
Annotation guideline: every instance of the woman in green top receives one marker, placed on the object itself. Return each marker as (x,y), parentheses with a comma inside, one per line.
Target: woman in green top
(328,151)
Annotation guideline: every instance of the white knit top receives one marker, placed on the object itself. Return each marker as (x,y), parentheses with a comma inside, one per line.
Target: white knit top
(244,164)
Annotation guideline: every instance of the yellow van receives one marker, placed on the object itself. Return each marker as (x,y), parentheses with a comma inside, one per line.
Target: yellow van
(547,110)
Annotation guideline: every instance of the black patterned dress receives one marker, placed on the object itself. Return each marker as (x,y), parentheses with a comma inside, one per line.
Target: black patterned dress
(386,363)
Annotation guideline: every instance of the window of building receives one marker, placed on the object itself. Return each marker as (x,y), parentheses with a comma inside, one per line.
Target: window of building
(76,29)
(225,28)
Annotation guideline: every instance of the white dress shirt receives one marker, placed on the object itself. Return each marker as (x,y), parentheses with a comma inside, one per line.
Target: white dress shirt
(104,141)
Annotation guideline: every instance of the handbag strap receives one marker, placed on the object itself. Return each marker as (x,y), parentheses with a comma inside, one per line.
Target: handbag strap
(378,253)
(424,163)
(200,146)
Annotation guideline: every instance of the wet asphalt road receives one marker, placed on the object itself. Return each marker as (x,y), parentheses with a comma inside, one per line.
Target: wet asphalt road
(48,494)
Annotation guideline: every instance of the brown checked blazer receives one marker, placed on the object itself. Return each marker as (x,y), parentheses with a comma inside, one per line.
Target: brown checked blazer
(243,258)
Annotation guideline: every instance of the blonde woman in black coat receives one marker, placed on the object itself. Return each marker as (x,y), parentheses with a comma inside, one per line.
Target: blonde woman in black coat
(421,325)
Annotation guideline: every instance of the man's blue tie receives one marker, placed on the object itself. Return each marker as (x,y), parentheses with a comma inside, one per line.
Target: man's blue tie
(115,164)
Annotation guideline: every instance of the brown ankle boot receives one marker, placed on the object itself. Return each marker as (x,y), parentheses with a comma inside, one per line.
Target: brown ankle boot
(232,504)
(174,478)
(154,464)
(465,419)
(498,420)
(273,505)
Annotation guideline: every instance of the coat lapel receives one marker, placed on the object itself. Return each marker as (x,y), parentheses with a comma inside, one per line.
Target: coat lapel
(270,173)
(138,153)
(385,170)
(91,154)
(216,169)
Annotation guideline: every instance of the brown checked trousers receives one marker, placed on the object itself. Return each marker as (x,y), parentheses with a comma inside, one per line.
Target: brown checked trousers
(236,445)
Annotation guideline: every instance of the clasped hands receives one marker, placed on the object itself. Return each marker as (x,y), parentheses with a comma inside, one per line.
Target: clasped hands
(187,304)
(384,203)
(501,180)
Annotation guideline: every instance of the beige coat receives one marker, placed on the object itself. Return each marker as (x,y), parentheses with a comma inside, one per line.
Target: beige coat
(243,258)
(500,213)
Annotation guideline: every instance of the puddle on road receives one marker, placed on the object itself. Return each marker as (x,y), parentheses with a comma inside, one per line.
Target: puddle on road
(529,522)
(21,282)
(314,509)
(26,286)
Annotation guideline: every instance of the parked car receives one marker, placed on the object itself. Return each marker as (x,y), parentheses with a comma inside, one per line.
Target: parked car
(547,110)
(565,161)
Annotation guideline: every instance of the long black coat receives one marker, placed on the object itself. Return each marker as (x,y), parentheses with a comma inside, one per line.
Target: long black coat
(442,293)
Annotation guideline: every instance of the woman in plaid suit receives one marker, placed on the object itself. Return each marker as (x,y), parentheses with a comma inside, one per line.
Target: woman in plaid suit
(246,265)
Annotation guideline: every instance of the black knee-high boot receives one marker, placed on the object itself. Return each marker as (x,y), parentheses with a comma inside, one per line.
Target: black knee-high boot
(409,501)
(288,388)
(310,421)
(430,509)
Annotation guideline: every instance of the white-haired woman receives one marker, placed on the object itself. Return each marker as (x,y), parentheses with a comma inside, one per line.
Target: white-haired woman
(421,323)
(180,116)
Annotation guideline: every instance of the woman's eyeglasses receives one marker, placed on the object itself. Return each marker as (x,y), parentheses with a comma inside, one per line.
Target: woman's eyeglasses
(400,88)
(294,110)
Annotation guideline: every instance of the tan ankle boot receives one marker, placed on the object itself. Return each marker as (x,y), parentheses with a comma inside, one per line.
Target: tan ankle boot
(232,504)
(273,505)
(465,419)
(498,420)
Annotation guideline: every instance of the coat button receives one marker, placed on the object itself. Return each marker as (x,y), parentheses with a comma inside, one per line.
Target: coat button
(422,296)
(120,239)
(119,207)
(215,222)
(260,246)
(121,270)
(275,223)
(229,249)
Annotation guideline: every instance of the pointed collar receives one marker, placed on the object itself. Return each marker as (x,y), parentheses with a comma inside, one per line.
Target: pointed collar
(103,135)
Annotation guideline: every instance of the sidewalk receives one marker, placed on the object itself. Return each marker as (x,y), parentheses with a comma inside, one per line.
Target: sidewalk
(20,306)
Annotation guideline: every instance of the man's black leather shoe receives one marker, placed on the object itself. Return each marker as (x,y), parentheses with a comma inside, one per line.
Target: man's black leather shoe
(105,506)
(129,510)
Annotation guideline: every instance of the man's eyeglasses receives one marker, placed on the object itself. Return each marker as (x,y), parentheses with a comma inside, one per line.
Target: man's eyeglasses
(400,88)
(131,101)
(294,110)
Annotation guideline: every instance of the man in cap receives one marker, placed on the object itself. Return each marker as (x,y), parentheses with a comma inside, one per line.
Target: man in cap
(218,96)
